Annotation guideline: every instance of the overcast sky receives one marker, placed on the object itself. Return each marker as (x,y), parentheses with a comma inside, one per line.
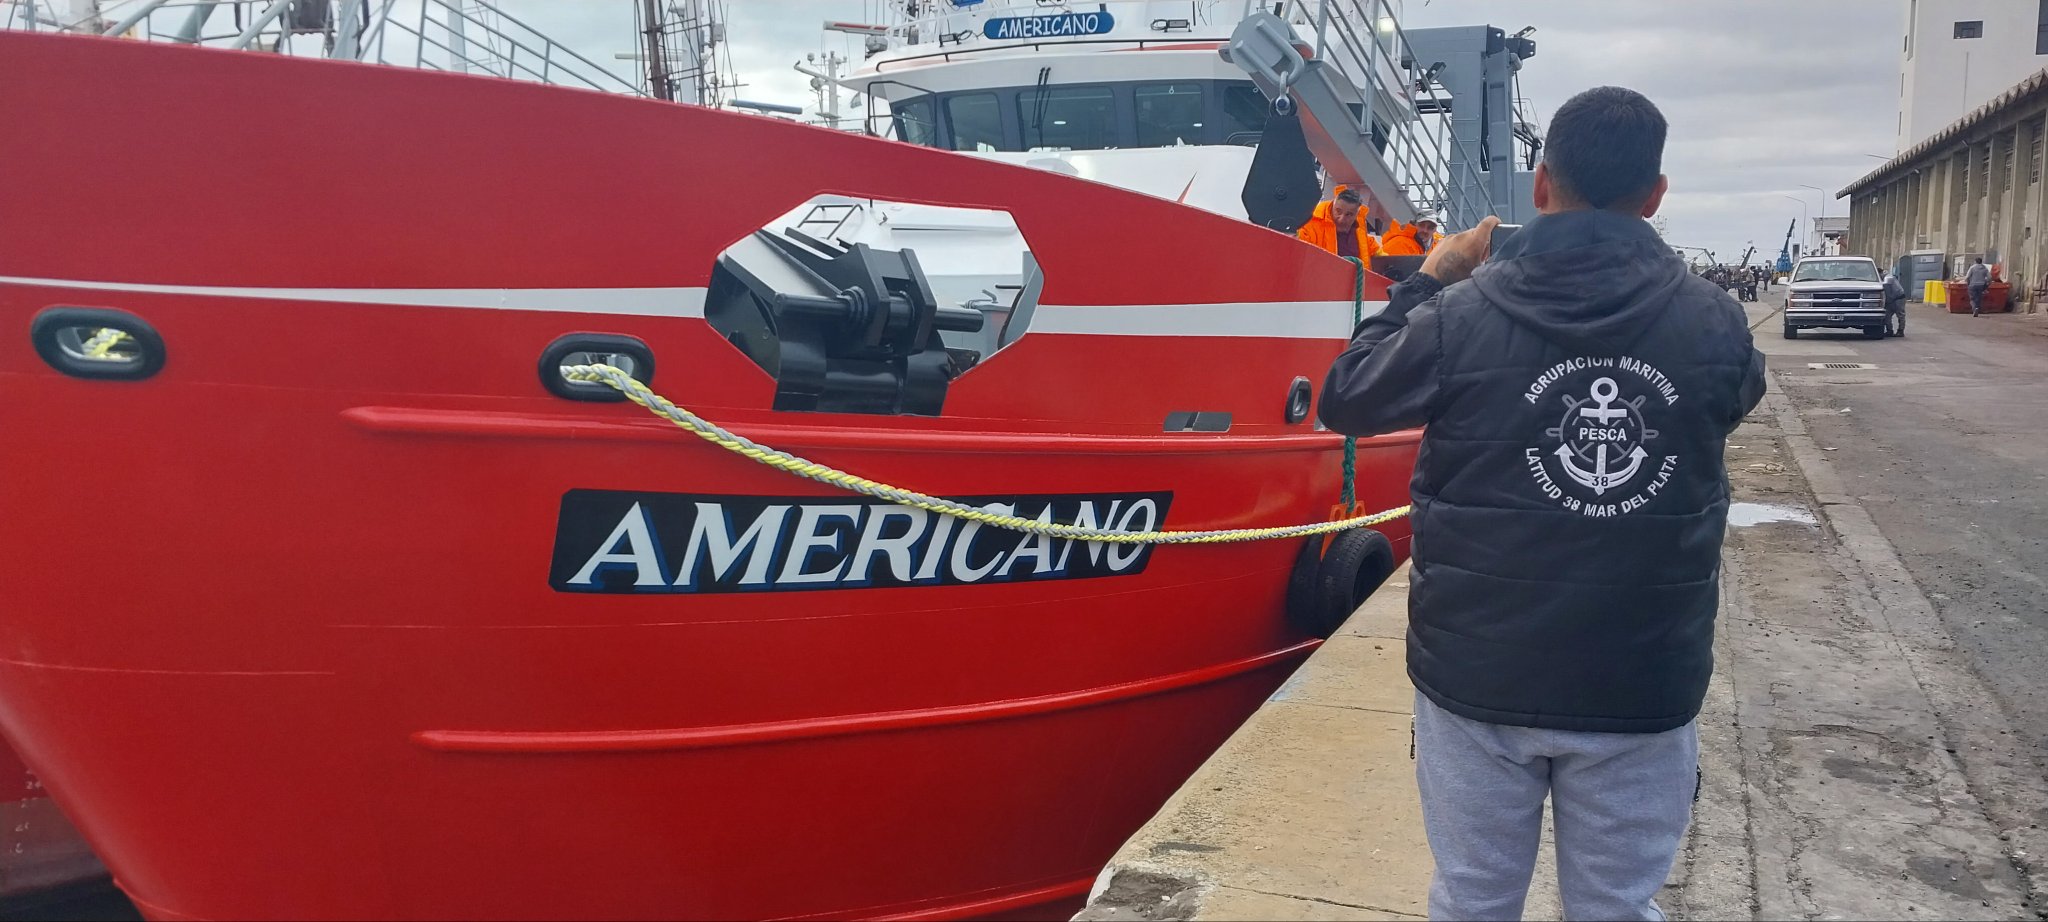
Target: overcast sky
(1763,96)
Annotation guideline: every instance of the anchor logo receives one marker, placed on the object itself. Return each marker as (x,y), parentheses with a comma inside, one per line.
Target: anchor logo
(1602,431)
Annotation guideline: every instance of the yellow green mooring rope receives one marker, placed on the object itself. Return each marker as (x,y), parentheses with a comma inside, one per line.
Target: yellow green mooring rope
(811,470)
(661,406)
(98,346)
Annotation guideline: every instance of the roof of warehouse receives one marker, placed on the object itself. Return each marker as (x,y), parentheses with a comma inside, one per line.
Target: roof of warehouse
(1990,110)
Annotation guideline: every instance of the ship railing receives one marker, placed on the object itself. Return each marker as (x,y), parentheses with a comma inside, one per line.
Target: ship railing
(949,27)
(471,36)
(476,36)
(828,217)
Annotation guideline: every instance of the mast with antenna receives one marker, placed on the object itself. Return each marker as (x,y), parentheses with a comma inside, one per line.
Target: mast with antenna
(825,81)
(657,68)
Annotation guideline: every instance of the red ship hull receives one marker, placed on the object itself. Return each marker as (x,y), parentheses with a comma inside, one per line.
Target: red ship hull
(281,635)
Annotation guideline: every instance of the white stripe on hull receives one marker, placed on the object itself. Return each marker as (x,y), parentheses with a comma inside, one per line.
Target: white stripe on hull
(646,302)
(1276,319)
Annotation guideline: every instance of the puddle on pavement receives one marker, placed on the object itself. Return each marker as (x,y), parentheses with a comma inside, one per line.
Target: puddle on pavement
(1745,514)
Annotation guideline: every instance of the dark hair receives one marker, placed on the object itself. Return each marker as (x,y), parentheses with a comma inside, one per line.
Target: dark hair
(1605,147)
(1351,195)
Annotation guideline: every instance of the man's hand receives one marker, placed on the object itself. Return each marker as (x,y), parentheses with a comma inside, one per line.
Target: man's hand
(1453,260)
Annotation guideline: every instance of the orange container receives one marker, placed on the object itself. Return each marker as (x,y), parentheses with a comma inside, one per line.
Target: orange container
(1997,298)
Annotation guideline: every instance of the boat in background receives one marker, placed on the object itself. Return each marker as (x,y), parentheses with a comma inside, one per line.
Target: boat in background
(390,618)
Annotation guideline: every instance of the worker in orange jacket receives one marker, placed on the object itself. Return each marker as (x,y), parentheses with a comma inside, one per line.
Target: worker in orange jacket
(1338,226)
(1401,240)
(1409,239)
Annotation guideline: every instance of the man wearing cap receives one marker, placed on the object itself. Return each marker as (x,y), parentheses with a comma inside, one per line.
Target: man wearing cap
(1338,226)
(1426,234)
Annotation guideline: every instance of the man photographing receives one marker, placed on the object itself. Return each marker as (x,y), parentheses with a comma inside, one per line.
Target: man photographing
(1578,389)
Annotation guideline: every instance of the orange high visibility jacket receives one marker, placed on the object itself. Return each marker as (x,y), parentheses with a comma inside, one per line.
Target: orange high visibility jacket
(1401,240)
(1321,230)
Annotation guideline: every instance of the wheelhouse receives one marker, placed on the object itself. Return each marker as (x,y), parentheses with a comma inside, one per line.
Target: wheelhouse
(1084,116)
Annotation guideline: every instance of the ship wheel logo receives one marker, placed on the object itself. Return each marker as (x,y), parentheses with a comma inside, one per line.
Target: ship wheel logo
(1602,438)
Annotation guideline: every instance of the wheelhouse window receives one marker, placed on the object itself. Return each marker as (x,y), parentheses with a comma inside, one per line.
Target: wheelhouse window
(1244,113)
(976,120)
(1168,113)
(1970,28)
(914,122)
(1067,118)
(1090,117)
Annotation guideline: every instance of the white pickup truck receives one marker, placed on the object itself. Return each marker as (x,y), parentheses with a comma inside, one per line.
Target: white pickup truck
(1835,291)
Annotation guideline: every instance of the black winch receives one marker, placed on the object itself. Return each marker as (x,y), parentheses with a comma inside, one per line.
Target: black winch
(843,329)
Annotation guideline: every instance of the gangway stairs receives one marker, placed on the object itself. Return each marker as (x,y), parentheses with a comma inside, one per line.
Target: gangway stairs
(1379,116)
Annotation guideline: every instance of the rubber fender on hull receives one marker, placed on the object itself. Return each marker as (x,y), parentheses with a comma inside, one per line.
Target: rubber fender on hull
(1326,587)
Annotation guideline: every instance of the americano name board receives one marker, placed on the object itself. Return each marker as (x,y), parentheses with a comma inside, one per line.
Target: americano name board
(630,542)
(1063,25)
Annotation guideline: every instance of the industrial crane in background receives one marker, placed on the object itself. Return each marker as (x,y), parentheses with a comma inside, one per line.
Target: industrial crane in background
(1785,253)
(1696,257)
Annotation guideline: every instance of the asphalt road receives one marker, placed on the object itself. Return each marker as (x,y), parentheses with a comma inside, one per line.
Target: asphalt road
(1945,443)
(1871,745)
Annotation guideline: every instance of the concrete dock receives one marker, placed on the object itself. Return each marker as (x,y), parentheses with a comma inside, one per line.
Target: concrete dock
(1308,812)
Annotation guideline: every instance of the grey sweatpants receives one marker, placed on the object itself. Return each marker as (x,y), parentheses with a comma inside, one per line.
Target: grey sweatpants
(1620,801)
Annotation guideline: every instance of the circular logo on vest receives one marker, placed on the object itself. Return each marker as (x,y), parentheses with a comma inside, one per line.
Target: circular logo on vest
(1602,437)
(1601,457)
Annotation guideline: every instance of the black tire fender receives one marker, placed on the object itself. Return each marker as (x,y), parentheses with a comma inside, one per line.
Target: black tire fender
(1301,585)
(1325,589)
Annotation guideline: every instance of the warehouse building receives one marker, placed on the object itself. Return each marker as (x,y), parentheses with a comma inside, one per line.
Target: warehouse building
(1959,54)
(1973,188)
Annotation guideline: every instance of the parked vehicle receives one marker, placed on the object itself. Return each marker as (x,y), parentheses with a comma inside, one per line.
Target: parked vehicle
(1835,291)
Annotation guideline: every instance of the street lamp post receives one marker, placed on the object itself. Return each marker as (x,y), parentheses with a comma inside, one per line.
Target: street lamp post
(1823,197)
(1805,216)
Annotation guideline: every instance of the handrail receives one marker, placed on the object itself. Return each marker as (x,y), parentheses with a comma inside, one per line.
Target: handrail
(1363,41)
(868,106)
(882,65)
(472,34)
(128,22)
(374,32)
(952,20)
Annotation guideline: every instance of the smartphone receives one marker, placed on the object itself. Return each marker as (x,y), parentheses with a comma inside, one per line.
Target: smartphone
(1502,233)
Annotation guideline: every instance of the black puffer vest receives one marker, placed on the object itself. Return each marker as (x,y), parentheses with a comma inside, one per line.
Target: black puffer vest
(1570,496)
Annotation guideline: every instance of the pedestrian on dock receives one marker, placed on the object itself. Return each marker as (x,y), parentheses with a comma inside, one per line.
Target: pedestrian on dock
(1894,304)
(1978,277)
(1576,391)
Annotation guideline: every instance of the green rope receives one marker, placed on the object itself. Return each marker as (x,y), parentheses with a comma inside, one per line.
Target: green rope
(1350,443)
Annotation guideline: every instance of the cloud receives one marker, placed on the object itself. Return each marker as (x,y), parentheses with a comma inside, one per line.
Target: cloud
(1763,96)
